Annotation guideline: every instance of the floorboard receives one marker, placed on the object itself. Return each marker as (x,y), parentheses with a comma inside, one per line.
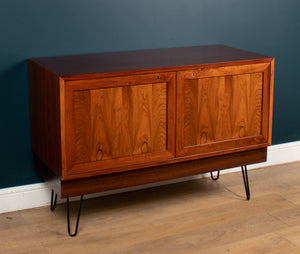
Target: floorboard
(198,216)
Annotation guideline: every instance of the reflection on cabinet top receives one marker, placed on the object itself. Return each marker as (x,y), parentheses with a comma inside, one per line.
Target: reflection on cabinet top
(145,61)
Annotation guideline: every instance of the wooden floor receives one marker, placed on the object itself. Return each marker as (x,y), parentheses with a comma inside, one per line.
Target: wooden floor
(198,216)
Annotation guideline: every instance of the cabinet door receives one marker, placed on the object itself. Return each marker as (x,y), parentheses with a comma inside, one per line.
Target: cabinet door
(115,124)
(224,109)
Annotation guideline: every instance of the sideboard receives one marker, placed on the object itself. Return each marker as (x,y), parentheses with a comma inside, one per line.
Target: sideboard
(113,120)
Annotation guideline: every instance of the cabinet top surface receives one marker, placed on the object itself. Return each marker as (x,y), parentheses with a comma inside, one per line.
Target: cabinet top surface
(144,59)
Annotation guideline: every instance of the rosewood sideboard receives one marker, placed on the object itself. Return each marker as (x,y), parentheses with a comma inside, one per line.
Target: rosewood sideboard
(113,120)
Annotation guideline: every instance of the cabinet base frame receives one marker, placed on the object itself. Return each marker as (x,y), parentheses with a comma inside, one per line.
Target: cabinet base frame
(131,178)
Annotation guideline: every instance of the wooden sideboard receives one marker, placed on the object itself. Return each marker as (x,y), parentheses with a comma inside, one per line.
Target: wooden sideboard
(114,120)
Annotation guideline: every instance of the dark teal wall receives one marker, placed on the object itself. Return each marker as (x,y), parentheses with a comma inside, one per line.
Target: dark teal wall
(35,28)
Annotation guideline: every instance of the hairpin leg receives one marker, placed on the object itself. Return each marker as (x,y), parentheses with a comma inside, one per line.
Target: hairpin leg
(215,178)
(53,205)
(78,217)
(246,182)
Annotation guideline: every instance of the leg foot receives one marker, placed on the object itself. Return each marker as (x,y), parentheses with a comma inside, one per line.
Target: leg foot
(246,182)
(53,205)
(78,217)
(215,178)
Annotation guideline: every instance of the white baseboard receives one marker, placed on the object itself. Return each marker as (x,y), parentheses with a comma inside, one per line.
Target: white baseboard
(36,195)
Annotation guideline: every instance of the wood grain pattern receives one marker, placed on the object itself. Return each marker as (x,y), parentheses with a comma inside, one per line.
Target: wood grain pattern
(118,122)
(222,108)
(115,123)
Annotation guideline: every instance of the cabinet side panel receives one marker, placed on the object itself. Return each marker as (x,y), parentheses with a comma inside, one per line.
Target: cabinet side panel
(271,100)
(45,116)
(119,122)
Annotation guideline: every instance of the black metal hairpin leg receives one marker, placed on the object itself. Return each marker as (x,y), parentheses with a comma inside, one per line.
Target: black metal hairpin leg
(246,182)
(78,216)
(53,205)
(215,178)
